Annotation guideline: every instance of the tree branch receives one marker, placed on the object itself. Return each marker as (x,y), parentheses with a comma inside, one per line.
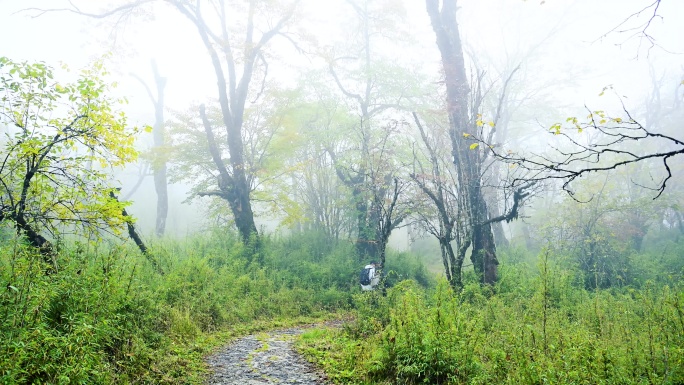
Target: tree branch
(539,168)
(518,196)
(74,9)
(214,151)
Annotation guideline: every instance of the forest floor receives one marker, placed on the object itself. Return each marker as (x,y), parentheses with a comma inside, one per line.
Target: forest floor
(265,358)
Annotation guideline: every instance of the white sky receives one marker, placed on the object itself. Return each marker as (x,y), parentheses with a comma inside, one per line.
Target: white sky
(495,27)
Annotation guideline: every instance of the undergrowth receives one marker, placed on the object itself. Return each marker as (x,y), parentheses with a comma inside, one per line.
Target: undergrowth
(537,326)
(106,316)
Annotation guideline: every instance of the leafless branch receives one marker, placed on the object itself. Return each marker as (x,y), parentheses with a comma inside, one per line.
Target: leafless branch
(598,156)
(639,31)
(75,9)
(214,193)
(519,195)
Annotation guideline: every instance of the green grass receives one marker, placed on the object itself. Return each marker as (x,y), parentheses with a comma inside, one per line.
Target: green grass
(538,326)
(107,317)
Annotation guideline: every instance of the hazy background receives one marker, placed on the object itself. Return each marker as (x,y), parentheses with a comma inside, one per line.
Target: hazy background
(567,59)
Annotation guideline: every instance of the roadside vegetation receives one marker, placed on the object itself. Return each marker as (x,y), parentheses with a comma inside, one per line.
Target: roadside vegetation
(539,324)
(107,316)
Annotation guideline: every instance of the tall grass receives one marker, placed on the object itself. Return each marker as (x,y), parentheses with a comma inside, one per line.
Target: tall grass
(107,317)
(538,326)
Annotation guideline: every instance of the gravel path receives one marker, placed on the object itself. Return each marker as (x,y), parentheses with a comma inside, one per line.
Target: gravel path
(265,358)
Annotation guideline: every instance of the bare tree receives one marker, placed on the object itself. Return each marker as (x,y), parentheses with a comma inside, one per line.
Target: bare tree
(157,154)
(372,94)
(618,142)
(633,28)
(217,31)
(439,184)
(393,209)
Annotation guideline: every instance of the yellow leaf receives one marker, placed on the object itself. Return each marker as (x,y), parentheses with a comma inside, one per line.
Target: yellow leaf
(474,146)
(465,134)
(491,124)
(479,123)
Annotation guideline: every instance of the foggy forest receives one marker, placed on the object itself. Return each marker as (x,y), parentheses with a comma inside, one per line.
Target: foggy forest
(341,192)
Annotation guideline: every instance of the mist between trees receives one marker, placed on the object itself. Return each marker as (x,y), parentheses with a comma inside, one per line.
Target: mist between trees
(223,151)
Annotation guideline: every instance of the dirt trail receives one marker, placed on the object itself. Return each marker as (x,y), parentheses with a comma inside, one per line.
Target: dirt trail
(264,358)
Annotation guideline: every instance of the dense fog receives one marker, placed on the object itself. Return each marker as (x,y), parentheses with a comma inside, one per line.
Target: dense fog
(568,51)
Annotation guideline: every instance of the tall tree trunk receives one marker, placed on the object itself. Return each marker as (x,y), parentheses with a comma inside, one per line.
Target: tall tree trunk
(362,245)
(158,163)
(240,201)
(366,211)
(378,240)
(453,265)
(466,160)
(443,245)
(159,166)
(369,240)
(457,266)
(232,95)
